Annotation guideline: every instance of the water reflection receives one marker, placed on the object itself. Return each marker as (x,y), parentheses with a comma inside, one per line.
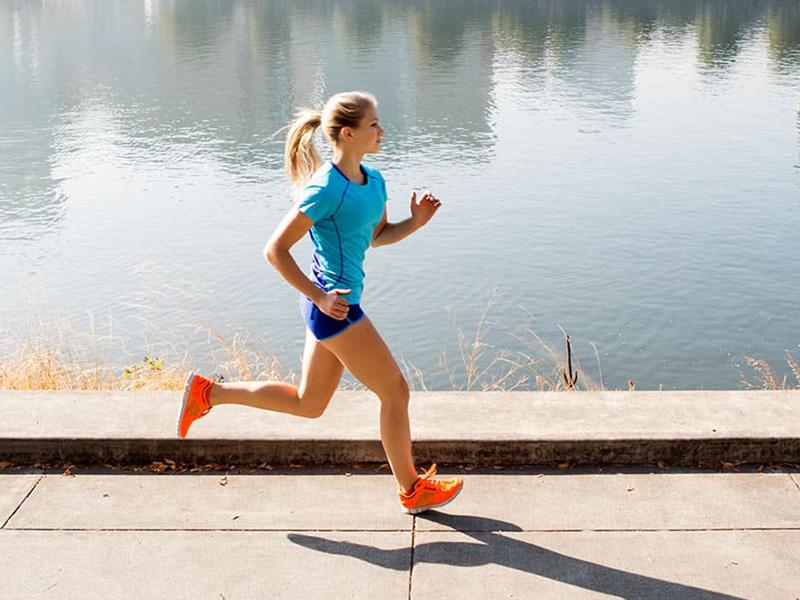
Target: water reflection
(783,33)
(444,113)
(721,32)
(219,78)
(114,106)
(358,24)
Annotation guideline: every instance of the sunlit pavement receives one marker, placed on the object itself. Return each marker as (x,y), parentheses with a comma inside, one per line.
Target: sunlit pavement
(524,533)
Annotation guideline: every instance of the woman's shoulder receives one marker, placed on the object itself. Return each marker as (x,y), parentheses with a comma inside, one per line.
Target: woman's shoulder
(323,180)
(372,172)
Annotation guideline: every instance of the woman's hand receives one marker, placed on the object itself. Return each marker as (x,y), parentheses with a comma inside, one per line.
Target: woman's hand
(334,306)
(423,212)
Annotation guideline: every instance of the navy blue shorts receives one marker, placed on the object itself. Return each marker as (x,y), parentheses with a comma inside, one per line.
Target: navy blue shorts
(321,325)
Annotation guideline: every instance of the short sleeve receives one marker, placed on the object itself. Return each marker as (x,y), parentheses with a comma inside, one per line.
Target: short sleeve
(383,187)
(315,203)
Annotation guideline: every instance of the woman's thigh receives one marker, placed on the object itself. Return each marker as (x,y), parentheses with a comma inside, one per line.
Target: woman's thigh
(322,371)
(362,350)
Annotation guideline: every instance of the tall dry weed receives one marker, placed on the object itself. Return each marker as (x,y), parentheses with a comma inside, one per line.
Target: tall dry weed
(766,377)
(482,366)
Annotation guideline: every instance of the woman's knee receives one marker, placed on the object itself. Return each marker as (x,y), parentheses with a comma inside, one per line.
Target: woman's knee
(395,391)
(321,374)
(312,406)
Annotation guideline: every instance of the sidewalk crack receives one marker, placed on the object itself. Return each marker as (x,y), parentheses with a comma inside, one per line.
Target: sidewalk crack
(30,491)
(411,566)
(794,481)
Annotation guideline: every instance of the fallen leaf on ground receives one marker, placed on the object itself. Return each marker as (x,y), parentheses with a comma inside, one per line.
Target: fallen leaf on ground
(732,464)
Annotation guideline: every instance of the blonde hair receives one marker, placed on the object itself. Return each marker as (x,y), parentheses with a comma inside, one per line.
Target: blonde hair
(341,110)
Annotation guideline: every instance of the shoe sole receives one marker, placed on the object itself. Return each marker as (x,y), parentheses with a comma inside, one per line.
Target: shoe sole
(187,386)
(416,511)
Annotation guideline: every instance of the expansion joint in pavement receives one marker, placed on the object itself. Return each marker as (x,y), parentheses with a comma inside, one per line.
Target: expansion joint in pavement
(30,491)
(791,476)
(411,563)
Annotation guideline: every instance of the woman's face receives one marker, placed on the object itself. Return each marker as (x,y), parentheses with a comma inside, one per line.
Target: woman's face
(367,136)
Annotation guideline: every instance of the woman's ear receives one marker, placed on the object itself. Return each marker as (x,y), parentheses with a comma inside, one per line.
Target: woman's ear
(346,133)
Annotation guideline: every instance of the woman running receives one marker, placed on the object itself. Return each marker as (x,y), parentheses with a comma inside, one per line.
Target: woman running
(341,204)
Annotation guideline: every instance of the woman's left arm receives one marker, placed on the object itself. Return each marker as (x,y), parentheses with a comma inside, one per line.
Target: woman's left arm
(422,212)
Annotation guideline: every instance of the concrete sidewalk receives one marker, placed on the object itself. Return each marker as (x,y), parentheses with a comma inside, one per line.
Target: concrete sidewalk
(543,534)
(686,428)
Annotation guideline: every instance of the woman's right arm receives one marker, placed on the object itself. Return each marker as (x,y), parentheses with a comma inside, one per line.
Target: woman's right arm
(293,227)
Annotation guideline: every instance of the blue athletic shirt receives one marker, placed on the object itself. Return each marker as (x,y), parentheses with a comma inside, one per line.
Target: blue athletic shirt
(345,215)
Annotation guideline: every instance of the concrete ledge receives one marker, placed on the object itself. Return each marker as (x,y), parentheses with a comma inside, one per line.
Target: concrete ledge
(678,428)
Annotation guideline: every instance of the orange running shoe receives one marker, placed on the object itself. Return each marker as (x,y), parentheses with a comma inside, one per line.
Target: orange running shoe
(195,401)
(427,493)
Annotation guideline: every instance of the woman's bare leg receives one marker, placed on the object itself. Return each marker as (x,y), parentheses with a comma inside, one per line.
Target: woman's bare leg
(321,374)
(362,350)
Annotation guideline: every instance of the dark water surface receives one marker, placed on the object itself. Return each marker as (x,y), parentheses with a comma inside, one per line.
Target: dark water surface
(628,170)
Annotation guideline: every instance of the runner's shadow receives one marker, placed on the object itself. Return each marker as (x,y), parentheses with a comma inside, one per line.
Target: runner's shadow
(498,549)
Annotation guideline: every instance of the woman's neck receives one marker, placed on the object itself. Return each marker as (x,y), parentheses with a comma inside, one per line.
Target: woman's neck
(349,164)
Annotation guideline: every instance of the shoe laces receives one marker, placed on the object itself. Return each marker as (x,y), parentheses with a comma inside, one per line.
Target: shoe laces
(424,480)
(429,473)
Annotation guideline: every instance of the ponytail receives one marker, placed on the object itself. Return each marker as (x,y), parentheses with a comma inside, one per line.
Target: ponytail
(346,109)
(300,156)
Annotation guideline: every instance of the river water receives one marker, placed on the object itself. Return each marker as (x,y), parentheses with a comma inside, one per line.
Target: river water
(627,171)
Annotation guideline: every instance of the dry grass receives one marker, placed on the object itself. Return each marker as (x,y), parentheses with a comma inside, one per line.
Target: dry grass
(485,367)
(767,379)
(244,360)
(51,355)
